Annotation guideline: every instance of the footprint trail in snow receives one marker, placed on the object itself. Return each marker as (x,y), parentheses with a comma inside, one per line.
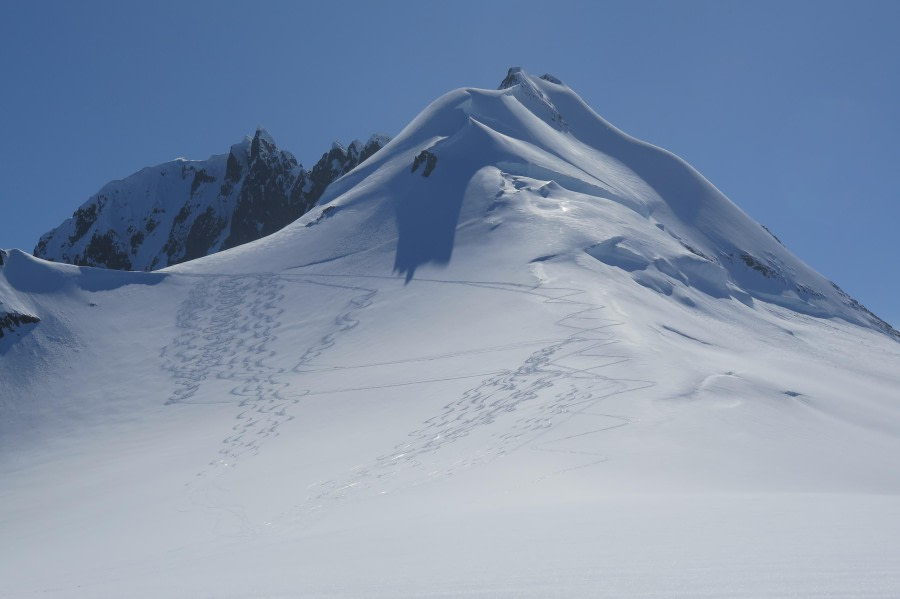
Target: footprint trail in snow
(228,325)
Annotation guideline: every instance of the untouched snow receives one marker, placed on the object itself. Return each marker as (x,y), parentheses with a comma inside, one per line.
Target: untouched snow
(533,373)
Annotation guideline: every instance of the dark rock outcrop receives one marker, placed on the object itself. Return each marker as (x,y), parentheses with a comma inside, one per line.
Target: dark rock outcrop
(513,77)
(428,159)
(11,321)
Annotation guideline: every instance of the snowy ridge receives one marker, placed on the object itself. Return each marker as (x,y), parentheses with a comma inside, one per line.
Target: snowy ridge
(186,209)
(655,217)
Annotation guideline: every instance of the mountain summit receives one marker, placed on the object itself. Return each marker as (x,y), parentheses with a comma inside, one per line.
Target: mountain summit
(516,76)
(513,353)
(534,156)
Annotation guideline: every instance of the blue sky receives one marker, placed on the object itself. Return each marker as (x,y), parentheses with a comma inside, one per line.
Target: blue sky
(791,108)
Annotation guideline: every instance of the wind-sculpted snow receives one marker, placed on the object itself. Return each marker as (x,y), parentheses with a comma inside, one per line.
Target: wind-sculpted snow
(581,158)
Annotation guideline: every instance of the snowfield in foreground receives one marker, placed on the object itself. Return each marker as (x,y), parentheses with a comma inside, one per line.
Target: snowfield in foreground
(516,353)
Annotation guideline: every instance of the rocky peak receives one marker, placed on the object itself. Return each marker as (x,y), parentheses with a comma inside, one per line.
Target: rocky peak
(374,143)
(513,77)
(516,75)
(187,209)
(263,146)
(551,79)
(339,161)
(263,134)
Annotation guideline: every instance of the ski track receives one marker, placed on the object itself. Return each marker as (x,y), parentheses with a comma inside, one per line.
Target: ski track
(541,393)
(228,324)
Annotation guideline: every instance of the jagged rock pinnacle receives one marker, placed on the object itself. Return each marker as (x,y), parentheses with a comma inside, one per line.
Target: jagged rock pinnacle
(513,77)
(515,74)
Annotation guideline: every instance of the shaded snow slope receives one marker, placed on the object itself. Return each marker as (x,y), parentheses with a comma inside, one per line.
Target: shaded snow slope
(486,364)
(186,209)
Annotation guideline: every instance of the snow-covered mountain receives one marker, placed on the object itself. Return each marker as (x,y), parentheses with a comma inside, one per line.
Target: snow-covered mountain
(516,353)
(185,209)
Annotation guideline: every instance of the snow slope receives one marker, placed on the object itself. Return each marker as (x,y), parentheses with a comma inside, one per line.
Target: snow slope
(515,354)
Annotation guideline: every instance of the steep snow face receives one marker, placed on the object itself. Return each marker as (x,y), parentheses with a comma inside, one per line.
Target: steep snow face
(506,356)
(535,150)
(186,209)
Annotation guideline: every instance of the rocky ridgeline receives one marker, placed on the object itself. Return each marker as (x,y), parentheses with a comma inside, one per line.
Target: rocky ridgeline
(11,319)
(187,209)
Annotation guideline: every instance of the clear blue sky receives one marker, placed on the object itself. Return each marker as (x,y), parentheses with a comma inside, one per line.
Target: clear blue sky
(791,108)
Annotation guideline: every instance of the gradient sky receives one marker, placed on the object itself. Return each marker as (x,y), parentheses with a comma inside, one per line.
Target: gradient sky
(790,108)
